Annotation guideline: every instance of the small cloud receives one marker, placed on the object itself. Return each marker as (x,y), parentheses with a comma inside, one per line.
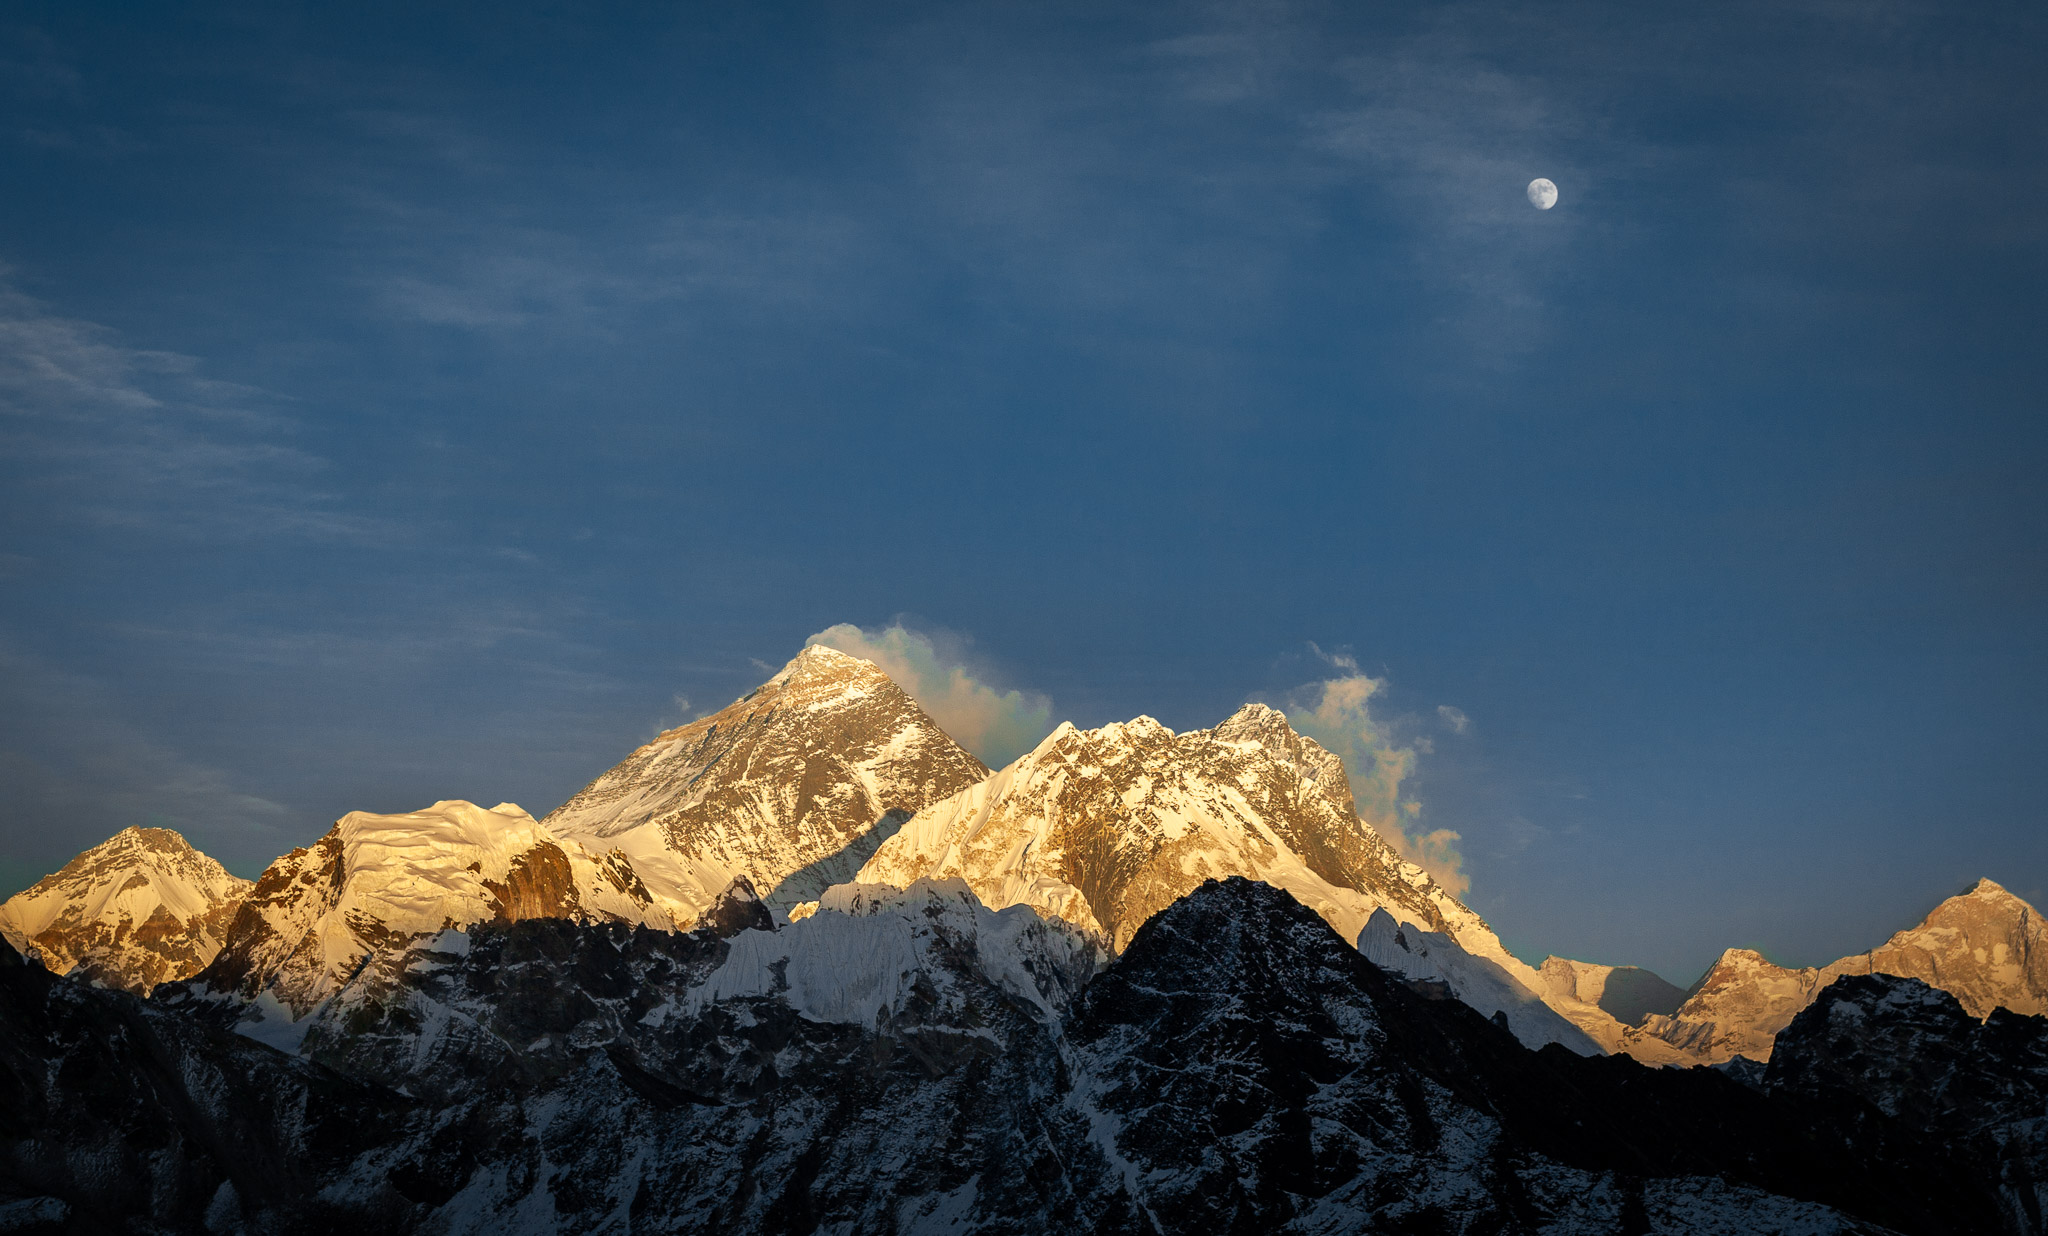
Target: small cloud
(1342,660)
(1337,713)
(996,725)
(1455,718)
(678,714)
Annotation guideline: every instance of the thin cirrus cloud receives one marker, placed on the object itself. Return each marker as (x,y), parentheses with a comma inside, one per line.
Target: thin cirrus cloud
(111,435)
(996,725)
(513,277)
(1337,712)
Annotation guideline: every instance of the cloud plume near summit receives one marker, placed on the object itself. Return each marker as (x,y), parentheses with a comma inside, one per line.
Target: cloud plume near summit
(1337,713)
(997,726)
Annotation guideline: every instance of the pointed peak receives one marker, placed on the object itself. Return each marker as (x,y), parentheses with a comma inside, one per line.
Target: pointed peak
(143,838)
(822,658)
(1256,723)
(1742,958)
(153,836)
(1060,733)
(1258,713)
(1986,887)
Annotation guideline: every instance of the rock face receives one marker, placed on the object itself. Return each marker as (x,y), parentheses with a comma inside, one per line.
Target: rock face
(1986,947)
(1253,1076)
(1104,828)
(1875,1051)
(376,881)
(791,787)
(122,1117)
(913,1062)
(136,910)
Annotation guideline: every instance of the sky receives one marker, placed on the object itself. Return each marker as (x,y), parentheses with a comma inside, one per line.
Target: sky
(401,403)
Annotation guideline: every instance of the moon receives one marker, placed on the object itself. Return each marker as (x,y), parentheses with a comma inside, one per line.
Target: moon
(1542,194)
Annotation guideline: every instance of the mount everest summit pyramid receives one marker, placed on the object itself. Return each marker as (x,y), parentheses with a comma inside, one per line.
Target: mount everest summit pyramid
(790,787)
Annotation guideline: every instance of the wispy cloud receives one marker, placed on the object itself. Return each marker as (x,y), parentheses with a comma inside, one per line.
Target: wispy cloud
(511,276)
(996,725)
(1450,141)
(110,434)
(1337,712)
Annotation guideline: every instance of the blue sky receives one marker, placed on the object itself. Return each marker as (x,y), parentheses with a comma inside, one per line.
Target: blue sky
(398,406)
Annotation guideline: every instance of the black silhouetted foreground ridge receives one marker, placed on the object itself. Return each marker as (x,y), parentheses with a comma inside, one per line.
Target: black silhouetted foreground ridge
(931,1065)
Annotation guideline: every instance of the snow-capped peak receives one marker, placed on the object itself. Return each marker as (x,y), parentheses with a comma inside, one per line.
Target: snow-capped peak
(375,881)
(140,908)
(823,659)
(1103,828)
(791,786)
(1985,946)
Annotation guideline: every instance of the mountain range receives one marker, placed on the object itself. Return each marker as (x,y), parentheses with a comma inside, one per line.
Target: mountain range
(1157,981)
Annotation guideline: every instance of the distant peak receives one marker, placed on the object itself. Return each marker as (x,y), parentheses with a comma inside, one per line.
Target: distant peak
(822,659)
(1745,957)
(1051,741)
(163,840)
(1255,722)
(1987,887)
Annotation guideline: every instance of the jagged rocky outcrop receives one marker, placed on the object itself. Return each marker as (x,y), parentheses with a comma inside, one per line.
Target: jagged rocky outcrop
(791,787)
(375,882)
(1253,1075)
(119,1116)
(1877,1051)
(140,908)
(1986,947)
(908,1061)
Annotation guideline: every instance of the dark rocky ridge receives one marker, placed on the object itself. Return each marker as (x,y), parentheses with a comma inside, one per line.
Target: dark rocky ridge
(1874,1052)
(1238,1069)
